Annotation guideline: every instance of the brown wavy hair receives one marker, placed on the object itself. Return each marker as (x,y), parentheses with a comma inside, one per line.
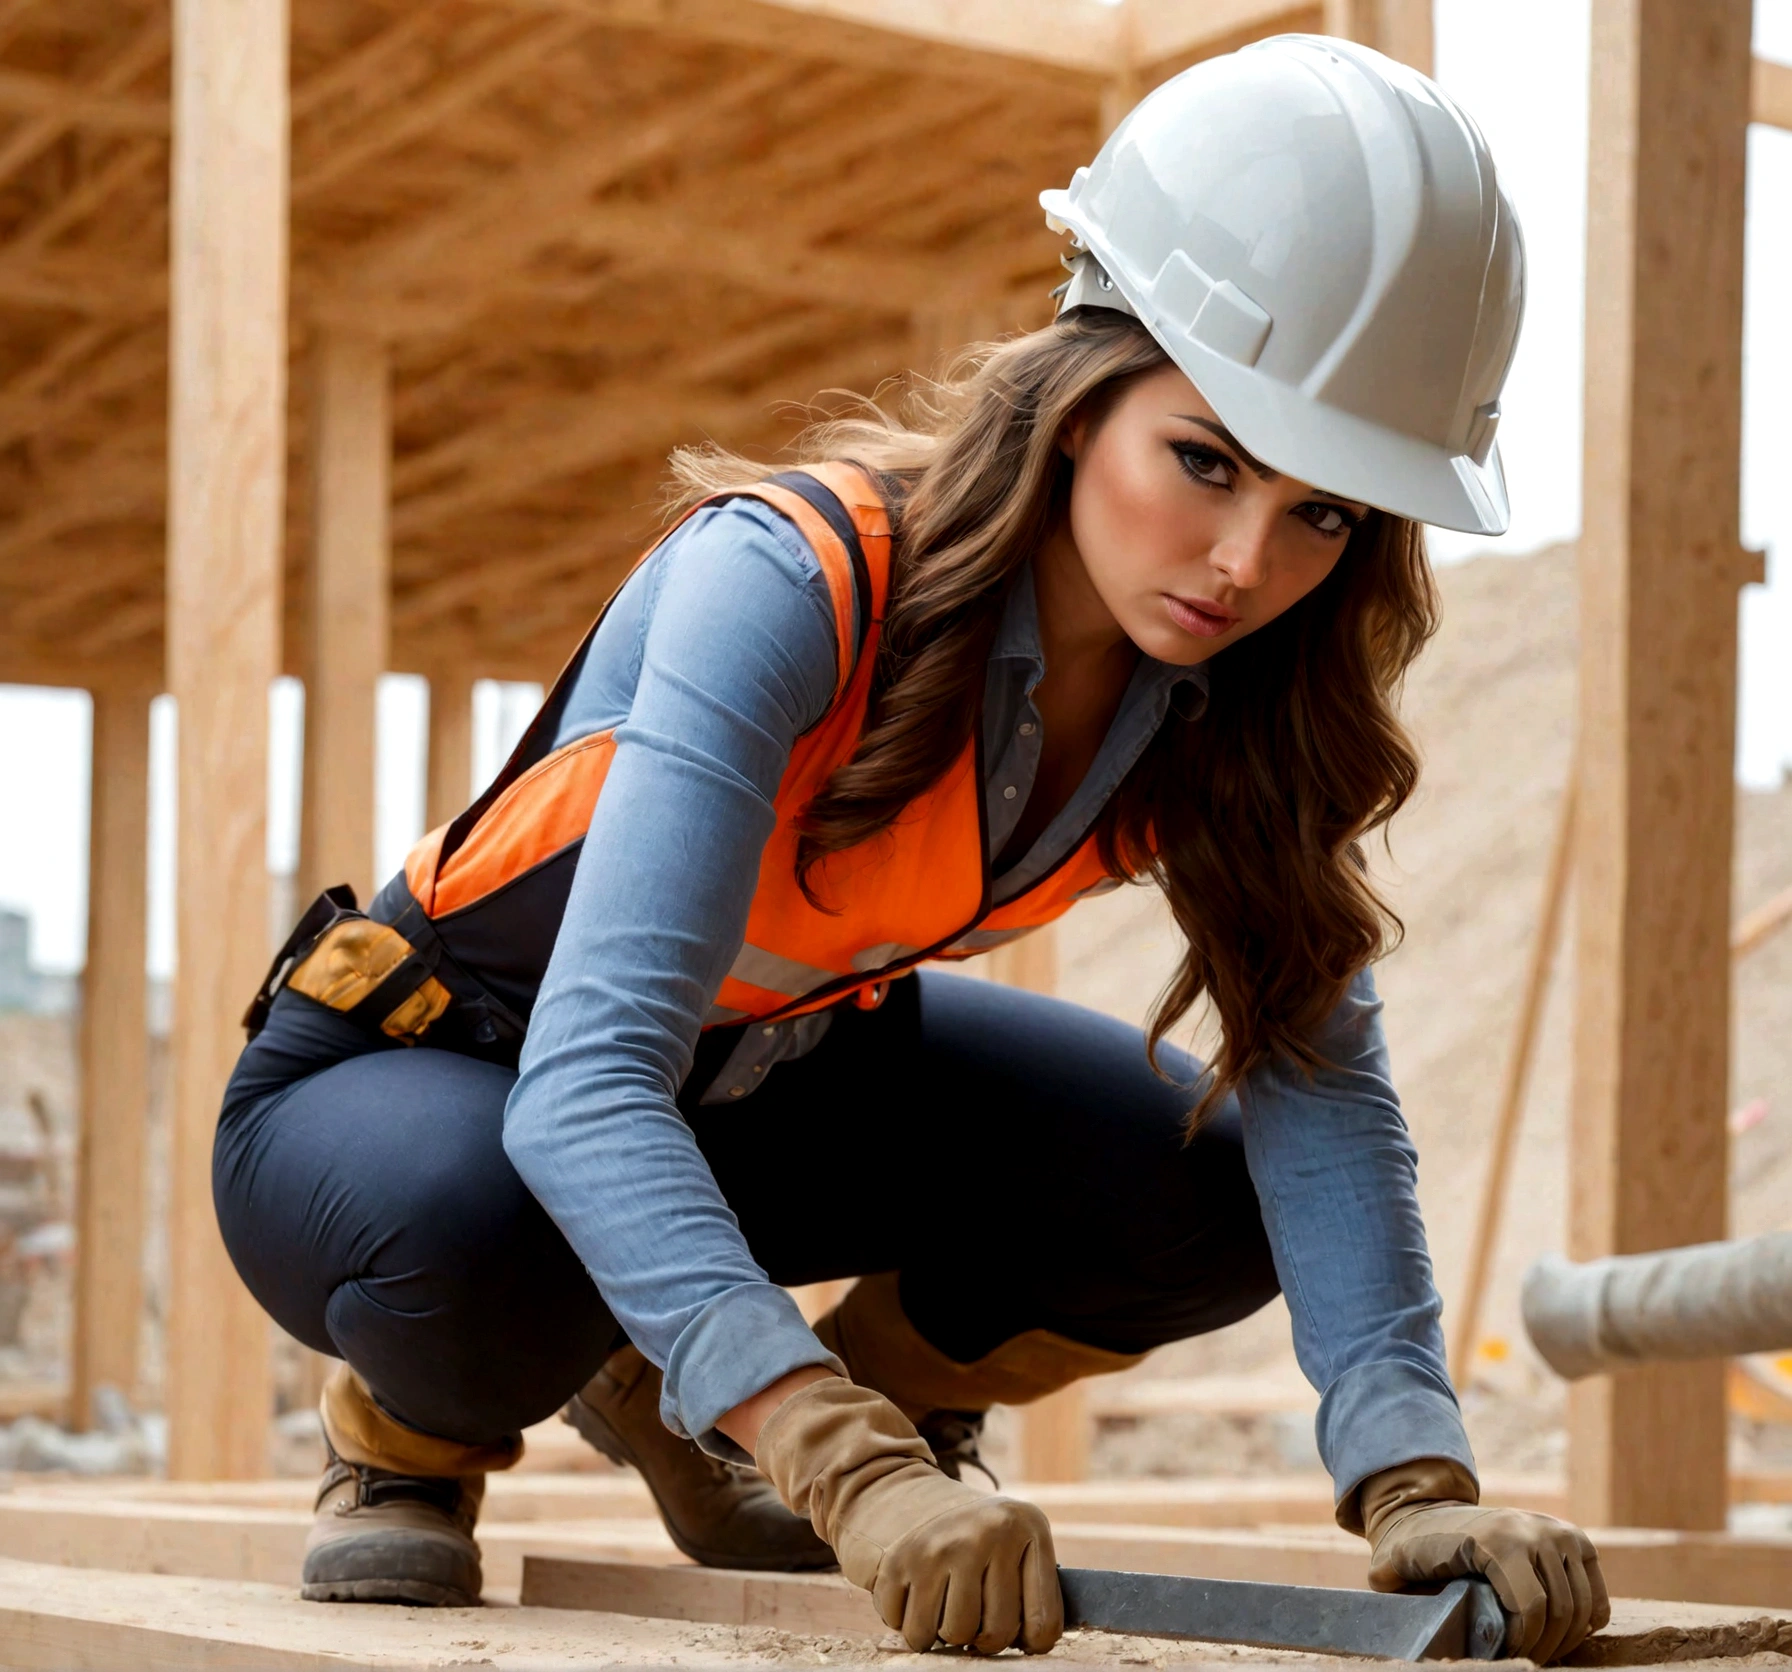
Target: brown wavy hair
(1249,813)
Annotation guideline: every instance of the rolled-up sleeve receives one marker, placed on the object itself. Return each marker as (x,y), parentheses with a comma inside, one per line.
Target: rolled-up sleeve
(1337,1178)
(736,657)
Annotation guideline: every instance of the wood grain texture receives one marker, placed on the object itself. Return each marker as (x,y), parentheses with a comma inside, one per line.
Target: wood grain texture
(1770,93)
(110,1180)
(1658,567)
(226,476)
(448,786)
(1053,1432)
(347,609)
(1402,29)
(1465,1327)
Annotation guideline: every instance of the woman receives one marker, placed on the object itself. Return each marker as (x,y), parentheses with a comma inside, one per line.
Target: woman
(1128,601)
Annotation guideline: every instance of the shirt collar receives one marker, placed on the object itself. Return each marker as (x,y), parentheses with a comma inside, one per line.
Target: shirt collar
(1017,640)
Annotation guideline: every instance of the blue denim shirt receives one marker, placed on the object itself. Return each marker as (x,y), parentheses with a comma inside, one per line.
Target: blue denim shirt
(714,658)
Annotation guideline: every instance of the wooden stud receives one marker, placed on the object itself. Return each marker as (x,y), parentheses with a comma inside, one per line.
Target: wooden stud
(1176,32)
(449,785)
(1403,29)
(1054,1431)
(227,455)
(1762,924)
(1466,1330)
(1770,93)
(109,1174)
(1659,565)
(347,611)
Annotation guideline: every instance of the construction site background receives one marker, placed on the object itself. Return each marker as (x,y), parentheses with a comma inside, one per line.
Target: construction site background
(1492,701)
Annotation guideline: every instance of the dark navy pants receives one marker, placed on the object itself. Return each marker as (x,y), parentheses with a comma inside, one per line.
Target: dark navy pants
(1012,1156)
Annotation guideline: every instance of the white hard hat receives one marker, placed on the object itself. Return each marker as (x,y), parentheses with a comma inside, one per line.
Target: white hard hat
(1316,236)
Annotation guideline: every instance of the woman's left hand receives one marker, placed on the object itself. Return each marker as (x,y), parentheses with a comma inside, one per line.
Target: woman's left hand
(1544,1571)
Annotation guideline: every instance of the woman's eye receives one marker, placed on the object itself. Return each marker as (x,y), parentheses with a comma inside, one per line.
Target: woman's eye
(1203,464)
(1330,520)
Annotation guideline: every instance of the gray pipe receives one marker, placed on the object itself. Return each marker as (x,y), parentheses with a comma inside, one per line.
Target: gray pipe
(1713,1300)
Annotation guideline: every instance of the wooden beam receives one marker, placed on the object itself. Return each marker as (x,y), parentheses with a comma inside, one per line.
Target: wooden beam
(1770,93)
(1176,29)
(1764,922)
(1402,29)
(1047,43)
(347,635)
(26,94)
(140,54)
(477,235)
(549,439)
(425,111)
(1660,565)
(109,1174)
(1712,1568)
(1054,1432)
(227,456)
(1465,1327)
(449,784)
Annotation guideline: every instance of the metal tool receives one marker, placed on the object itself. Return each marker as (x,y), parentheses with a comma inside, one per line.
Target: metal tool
(1462,1621)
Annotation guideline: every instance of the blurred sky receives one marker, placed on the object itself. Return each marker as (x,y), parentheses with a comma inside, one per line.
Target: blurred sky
(1521,68)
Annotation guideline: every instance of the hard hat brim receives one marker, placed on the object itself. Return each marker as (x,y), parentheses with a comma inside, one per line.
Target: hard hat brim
(1336,451)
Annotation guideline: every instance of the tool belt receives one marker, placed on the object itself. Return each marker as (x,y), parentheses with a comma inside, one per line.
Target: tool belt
(366,970)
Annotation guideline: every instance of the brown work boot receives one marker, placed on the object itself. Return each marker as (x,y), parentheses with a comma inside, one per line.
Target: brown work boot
(719,1514)
(396,1507)
(381,1536)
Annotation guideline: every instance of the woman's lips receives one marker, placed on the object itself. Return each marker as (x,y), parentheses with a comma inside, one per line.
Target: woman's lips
(1203,617)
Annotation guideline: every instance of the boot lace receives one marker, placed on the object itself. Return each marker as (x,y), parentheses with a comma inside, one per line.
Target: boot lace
(955,1439)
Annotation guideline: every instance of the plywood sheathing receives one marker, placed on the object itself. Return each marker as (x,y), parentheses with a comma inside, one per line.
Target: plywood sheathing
(584,243)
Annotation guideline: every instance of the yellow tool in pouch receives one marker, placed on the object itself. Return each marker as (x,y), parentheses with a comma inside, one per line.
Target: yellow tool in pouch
(366,970)
(352,960)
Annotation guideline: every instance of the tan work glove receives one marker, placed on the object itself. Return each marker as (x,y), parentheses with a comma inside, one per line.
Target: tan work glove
(940,1559)
(1423,1524)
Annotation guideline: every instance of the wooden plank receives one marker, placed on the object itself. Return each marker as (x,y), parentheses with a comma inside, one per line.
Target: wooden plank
(1048,43)
(347,610)
(249,1542)
(1175,30)
(1465,1332)
(1054,1435)
(827,1603)
(1402,29)
(1660,564)
(797,1602)
(1770,93)
(226,475)
(109,1175)
(449,782)
(56,1618)
(1054,1432)
(25,93)
(1761,924)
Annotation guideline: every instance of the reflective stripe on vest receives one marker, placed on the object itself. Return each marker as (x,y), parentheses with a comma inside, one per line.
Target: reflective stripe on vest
(491,888)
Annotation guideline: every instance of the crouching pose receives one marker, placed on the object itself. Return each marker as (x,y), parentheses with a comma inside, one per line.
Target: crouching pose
(656,1026)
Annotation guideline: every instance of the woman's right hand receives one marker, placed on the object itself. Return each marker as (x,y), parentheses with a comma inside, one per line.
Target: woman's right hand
(941,1560)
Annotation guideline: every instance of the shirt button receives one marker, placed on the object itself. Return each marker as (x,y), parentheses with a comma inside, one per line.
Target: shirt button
(737,1091)
(769,1030)
(758,1068)
(1027,728)
(1009,793)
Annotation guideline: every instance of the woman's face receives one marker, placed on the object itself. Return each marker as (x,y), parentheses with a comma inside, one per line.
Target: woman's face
(1188,541)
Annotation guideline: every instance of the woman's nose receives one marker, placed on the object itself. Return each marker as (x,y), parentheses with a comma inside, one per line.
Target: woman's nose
(1242,555)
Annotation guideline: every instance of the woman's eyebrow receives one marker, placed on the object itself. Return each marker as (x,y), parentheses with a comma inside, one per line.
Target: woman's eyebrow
(1225,435)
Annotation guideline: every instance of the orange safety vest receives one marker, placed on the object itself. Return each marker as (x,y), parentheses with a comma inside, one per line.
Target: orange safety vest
(480,901)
